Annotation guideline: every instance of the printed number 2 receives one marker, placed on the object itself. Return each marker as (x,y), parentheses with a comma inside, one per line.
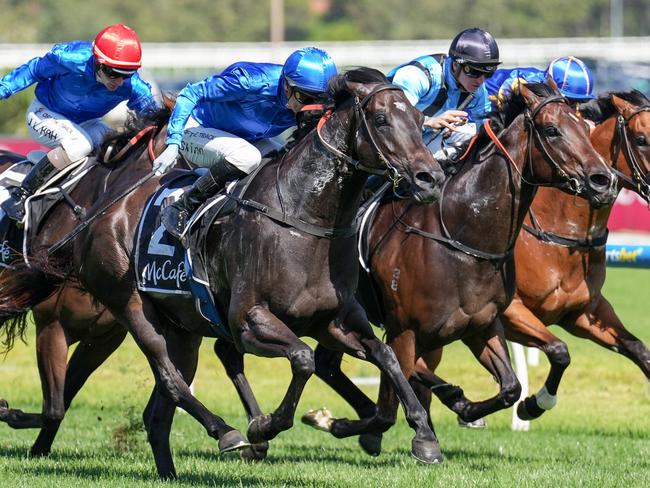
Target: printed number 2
(155,246)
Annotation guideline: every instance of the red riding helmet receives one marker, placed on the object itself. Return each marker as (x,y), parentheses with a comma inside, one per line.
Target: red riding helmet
(118,47)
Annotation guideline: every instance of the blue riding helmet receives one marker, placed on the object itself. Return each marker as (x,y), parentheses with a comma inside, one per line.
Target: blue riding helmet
(572,77)
(309,69)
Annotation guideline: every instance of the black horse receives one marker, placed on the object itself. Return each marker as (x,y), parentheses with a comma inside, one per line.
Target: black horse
(272,278)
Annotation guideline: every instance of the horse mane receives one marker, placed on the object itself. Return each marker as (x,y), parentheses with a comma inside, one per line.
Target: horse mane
(134,124)
(502,117)
(602,108)
(339,90)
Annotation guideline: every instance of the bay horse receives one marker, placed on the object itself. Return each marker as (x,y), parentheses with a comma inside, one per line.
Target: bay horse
(71,315)
(561,261)
(274,281)
(445,272)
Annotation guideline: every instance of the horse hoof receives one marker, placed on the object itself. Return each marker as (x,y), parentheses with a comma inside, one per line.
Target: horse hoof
(255,452)
(528,409)
(476,424)
(320,419)
(259,429)
(3,404)
(38,453)
(427,452)
(371,444)
(232,441)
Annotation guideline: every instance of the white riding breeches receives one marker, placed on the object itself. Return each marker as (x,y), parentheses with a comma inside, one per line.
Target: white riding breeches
(448,145)
(205,147)
(51,129)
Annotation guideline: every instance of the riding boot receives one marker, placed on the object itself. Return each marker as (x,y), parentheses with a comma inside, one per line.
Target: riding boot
(15,207)
(175,216)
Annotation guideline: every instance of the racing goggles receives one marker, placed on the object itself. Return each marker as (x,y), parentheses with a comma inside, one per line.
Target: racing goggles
(477,71)
(114,73)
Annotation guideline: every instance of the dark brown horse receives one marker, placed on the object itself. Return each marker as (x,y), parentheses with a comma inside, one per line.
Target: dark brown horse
(446,272)
(71,315)
(266,274)
(560,259)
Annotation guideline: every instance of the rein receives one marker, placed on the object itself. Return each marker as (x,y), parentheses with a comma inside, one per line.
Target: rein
(623,144)
(150,131)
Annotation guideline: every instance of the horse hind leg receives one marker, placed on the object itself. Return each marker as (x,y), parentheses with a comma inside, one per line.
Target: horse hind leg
(233,362)
(604,327)
(85,359)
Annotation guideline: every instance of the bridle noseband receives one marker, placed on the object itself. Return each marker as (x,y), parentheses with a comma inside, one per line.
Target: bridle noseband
(623,143)
(391,172)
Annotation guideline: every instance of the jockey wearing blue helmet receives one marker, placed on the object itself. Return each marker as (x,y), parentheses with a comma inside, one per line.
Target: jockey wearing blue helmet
(571,75)
(227,121)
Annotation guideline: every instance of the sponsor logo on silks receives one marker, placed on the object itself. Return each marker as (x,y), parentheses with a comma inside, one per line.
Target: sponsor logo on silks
(622,255)
(5,252)
(154,274)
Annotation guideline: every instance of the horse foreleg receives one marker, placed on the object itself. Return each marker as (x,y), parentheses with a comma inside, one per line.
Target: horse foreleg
(603,327)
(51,354)
(140,316)
(522,326)
(489,347)
(263,334)
(356,338)
(233,362)
(86,358)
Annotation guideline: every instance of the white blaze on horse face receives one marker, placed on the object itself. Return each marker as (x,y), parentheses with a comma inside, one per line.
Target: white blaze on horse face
(400,106)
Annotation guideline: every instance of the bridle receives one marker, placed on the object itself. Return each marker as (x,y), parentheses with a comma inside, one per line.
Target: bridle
(623,144)
(390,172)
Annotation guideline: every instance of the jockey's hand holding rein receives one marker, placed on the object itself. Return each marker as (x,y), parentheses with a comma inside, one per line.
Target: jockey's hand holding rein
(447,120)
(166,160)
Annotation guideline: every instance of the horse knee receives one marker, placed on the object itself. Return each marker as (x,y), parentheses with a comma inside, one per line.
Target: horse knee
(558,354)
(302,362)
(510,393)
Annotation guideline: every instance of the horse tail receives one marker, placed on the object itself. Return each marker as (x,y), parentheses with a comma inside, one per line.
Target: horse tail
(21,288)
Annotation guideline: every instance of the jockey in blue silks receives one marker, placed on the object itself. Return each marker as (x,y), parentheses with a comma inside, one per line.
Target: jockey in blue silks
(226,122)
(439,84)
(571,75)
(76,84)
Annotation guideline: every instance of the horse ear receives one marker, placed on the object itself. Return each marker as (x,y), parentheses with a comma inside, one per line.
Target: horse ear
(527,94)
(621,105)
(551,82)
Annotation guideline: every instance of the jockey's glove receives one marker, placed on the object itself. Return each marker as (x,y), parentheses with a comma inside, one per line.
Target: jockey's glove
(166,160)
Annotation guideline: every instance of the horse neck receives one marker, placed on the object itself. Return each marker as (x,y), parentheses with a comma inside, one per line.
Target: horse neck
(484,205)
(317,186)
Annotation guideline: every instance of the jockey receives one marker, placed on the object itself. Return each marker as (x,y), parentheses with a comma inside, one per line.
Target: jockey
(439,84)
(226,122)
(571,75)
(76,83)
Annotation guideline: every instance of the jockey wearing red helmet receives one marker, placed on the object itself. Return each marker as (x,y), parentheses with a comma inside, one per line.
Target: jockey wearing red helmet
(77,83)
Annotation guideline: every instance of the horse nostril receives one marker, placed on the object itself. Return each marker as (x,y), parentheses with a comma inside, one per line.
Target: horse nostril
(427,179)
(600,181)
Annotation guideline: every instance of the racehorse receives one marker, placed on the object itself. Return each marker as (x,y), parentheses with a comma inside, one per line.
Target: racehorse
(561,261)
(71,315)
(446,272)
(266,273)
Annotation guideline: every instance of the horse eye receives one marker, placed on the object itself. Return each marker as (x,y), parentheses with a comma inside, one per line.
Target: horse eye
(641,140)
(551,131)
(380,119)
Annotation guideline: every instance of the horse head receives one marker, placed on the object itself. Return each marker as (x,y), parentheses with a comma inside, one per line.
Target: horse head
(624,133)
(387,132)
(559,151)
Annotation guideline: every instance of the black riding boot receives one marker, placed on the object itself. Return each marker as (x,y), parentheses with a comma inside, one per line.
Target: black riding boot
(175,216)
(15,208)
